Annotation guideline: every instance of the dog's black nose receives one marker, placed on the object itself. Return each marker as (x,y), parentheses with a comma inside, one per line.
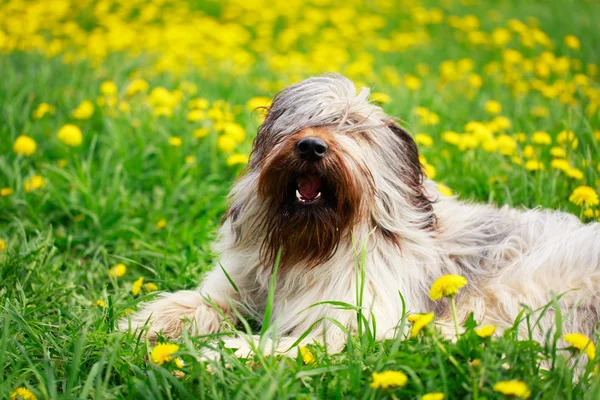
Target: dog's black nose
(311,148)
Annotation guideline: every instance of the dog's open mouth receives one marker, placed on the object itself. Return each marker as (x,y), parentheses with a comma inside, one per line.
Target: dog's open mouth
(308,189)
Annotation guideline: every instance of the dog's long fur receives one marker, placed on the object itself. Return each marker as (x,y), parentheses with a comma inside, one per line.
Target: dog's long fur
(375,193)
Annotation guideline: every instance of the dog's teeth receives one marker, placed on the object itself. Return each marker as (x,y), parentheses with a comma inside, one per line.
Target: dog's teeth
(301,198)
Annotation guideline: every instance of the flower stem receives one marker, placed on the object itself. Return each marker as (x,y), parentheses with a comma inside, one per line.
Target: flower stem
(453,305)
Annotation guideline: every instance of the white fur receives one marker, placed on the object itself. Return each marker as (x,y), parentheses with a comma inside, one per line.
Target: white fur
(510,257)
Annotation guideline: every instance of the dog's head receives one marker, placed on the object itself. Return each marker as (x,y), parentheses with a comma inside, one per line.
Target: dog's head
(325,161)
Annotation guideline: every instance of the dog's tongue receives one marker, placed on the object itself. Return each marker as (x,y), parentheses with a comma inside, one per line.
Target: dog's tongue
(309,186)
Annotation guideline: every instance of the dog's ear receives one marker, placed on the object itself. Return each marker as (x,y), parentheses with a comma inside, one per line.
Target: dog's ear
(410,170)
(409,162)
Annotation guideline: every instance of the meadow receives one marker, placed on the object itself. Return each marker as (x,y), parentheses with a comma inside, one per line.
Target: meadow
(124,124)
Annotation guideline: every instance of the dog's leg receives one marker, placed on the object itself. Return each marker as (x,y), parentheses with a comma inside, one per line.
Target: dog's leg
(170,312)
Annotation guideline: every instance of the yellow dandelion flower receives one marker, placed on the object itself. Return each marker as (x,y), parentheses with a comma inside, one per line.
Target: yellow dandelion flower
(84,110)
(560,164)
(150,287)
(534,165)
(433,396)
(512,388)
(161,223)
(511,56)
(380,97)
(447,285)
(529,151)
(445,190)
(234,131)
(199,103)
(581,343)
(475,81)
(6,191)
(429,170)
(419,321)
(2,245)
(190,159)
(500,123)
(175,141)
(520,137)
(108,88)
(98,303)
(216,114)
(558,152)
(388,379)
(540,137)
(124,107)
(517,160)
(24,145)
(196,115)
(161,97)
(589,213)
(451,137)
(179,362)
(572,42)
(137,286)
(43,109)
(61,163)
(258,102)
(493,107)
(507,145)
(22,394)
(235,159)
(163,352)
(307,357)
(574,173)
(565,137)
(584,195)
(117,271)
(137,86)
(412,82)
(424,139)
(485,331)
(201,132)
(34,183)
(70,135)
(226,143)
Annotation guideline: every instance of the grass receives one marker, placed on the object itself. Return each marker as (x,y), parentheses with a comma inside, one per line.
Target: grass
(102,200)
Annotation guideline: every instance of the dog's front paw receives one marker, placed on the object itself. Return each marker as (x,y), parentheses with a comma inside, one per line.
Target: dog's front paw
(170,313)
(240,346)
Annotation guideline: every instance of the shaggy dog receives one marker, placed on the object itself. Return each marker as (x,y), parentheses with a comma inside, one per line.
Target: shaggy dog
(331,172)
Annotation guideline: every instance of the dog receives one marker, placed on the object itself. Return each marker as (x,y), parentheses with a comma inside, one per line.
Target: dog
(334,184)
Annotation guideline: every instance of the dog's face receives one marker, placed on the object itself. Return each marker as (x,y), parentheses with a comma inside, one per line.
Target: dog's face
(324,166)
(313,193)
